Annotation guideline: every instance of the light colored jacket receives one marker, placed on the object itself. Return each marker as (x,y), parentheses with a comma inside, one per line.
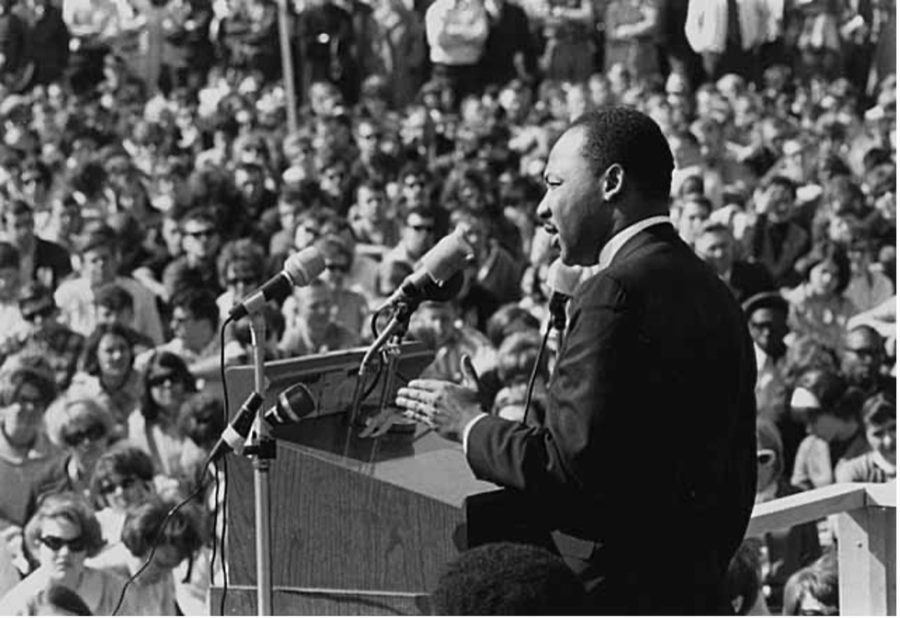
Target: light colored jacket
(456,31)
(707,23)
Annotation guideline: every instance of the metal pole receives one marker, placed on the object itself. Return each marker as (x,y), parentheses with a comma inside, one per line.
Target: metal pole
(287,66)
(261,476)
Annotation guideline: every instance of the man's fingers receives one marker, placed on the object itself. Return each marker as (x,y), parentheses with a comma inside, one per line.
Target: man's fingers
(427,384)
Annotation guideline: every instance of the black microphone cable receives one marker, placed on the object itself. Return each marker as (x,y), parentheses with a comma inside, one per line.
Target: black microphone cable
(221,542)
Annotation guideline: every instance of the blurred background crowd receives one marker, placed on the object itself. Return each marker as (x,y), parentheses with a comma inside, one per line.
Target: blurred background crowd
(149,179)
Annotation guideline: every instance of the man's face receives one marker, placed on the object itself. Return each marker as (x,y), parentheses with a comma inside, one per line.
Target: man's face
(369,203)
(367,139)
(883,439)
(22,418)
(305,234)
(436,320)
(332,180)
(768,327)
(287,215)
(862,357)
(717,250)
(315,307)
(573,209)
(778,203)
(195,333)
(823,278)
(200,240)
(418,234)
(414,190)
(20,228)
(108,315)
(241,278)
(693,216)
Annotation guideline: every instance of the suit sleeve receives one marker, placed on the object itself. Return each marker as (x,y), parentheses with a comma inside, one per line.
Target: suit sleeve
(567,453)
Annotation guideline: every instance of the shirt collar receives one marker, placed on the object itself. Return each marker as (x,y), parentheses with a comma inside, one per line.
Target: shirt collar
(615,244)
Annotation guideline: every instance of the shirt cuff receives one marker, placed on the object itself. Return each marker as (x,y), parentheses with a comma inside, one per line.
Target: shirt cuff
(467,429)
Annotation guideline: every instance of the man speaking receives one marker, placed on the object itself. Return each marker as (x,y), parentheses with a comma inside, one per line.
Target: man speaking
(644,467)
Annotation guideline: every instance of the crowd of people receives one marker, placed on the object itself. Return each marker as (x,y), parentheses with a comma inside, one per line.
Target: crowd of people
(150,180)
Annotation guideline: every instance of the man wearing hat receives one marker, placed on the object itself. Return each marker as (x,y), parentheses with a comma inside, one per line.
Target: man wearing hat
(47,337)
(766,314)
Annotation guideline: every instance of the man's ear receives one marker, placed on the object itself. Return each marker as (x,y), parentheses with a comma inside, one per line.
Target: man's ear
(612,183)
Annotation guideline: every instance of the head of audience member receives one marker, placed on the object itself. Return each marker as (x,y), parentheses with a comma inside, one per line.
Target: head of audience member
(113,305)
(167,382)
(241,267)
(862,357)
(338,260)
(507,579)
(368,135)
(714,244)
(62,533)
(767,314)
(26,389)
(414,185)
(274,329)
(828,406)
(309,225)
(201,418)
(825,271)
(611,168)
(813,590)
(82,427)
(65,217)
(434,323)
(417,234)
(166,544)
(769,459)
(516,357)
(315,305)
(370,202)
(122,478)
(109,354)
(743,580)
(333,174)
(18,221)
(99,249)
(475,226)
(199,236)
(695,211)
(879,417)
(10,279)
(508,319)
(776,199)
(57,600)
(195,318)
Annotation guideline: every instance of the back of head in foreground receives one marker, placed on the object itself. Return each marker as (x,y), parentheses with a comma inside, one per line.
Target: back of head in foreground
(507,579)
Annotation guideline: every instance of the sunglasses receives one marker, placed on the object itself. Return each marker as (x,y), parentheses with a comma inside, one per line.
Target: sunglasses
(201,233)
(762,325)
(56,543)
(422,228)
(91,434)
(412,184)
(244,280)
(368,136)
(162,379)
(125,484)
(765,457)
(338,267)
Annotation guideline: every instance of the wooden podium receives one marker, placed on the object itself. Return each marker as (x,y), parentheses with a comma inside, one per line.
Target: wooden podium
(359,525)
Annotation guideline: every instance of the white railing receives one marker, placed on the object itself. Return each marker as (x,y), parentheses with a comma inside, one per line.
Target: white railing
(867,539)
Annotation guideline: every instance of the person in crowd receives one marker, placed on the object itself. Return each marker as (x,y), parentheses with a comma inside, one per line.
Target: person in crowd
(863,360)
(569,48)
(26,389)
(868,287)
(114,305)
(509,50)
(200,242)
(195,322)
(831,411)
(879,465)
(776,241)
(63,533)
(457,31)
(813,590)
(516,356)
(327,48)
(41,260)
(694,212)
(165,544)
(507,579)
(15,326)
(631,29)
(715,244)
(47,42)
(416,238)
(312,328)
(767,314)
(352,308)
(83,429)
(818,307)
(123,478)
(369,217)
(108,374)
(99,253)
(437,325)
(788,549)
(153,426)
(241,269)
(744,580)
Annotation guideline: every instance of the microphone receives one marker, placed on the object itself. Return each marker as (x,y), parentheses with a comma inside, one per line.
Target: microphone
(299,270)
(434,279)
(293,405)
(562,281)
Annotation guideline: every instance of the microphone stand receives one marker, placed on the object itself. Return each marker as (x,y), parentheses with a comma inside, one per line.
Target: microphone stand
(261,450)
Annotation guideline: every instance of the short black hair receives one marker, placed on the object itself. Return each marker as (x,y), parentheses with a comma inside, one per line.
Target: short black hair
(632,139)
(201,303)
(507,579)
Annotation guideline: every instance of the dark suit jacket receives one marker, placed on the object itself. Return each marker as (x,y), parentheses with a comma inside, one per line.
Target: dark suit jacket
(749,278)
(646,459)
(52,263)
